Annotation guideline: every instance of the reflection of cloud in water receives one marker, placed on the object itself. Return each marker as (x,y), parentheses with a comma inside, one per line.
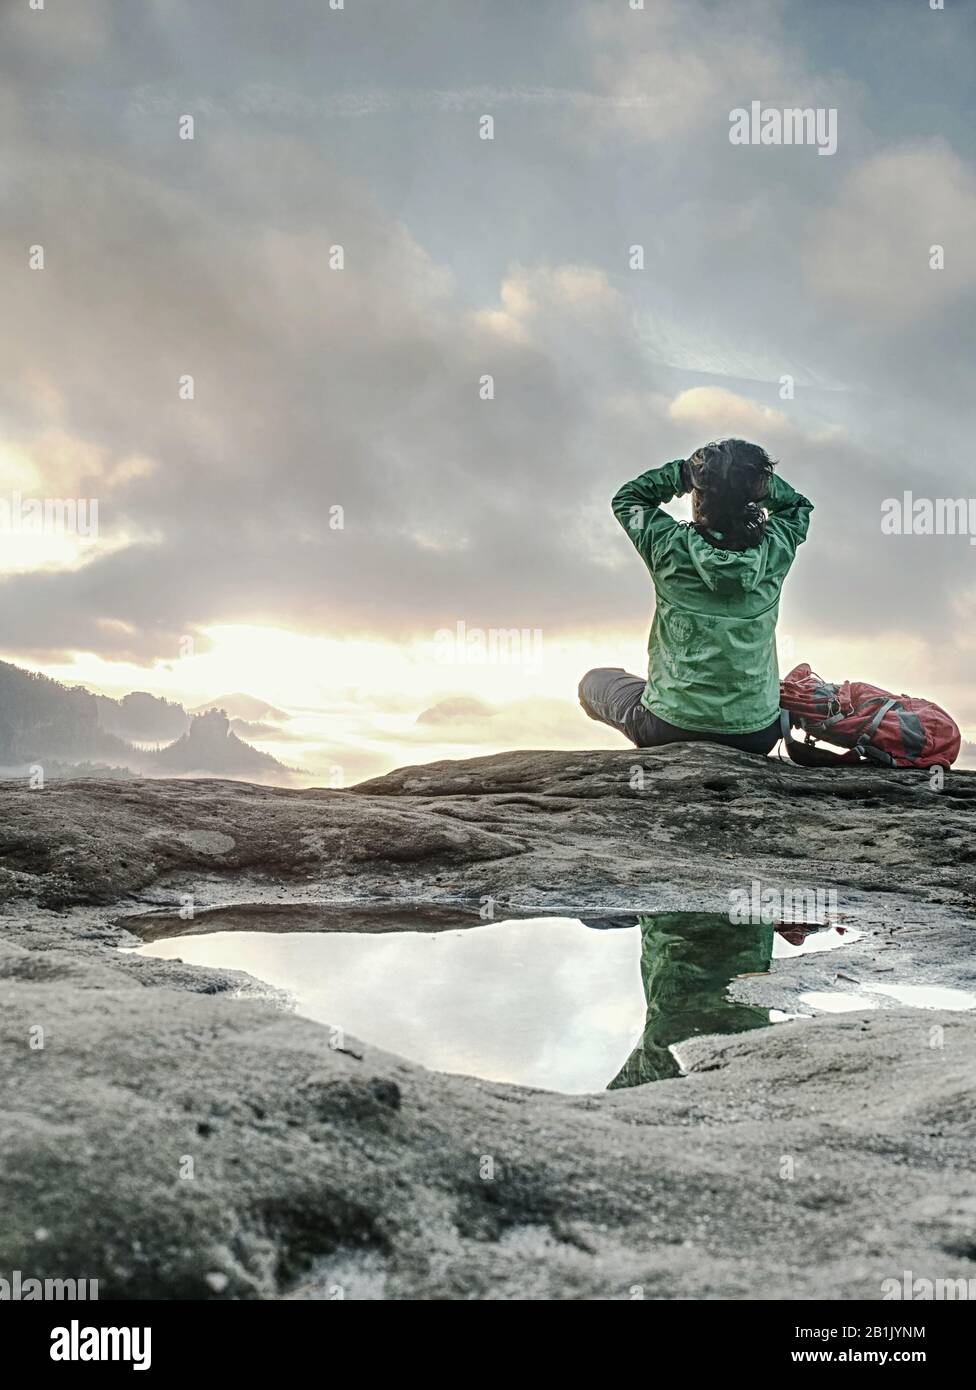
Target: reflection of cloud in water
(542,1002)
(926,996)
(887,996)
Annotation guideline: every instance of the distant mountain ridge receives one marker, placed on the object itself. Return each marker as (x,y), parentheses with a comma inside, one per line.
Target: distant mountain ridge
(241,706)
(142,717)
(43,720)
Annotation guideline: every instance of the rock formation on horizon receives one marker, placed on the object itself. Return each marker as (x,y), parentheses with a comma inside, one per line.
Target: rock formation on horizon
(210,746)
(67,730)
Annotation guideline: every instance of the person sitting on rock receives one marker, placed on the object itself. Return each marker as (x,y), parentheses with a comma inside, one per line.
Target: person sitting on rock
(712,673)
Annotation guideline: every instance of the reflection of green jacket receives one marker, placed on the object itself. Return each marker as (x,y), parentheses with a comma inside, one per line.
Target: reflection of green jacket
(688,961)
(712,649)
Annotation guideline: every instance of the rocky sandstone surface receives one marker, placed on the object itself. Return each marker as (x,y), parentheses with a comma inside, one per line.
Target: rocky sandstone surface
(178,1135)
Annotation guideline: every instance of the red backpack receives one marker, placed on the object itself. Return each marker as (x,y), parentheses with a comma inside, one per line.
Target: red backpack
(894,730)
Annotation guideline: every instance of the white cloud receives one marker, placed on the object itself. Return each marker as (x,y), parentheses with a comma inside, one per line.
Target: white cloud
(720,413)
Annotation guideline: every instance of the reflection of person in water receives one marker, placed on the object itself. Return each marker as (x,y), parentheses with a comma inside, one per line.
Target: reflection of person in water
(688,961)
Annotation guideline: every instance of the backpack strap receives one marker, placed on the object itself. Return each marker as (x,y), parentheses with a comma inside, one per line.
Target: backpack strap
(807,754)
(871,723)
(883,709)
(863,744)
(810,755)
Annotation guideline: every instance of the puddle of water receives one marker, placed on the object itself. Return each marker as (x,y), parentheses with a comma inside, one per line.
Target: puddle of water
(836,1002)
(551,1002)
(915,996)
(926,996)
(800,941)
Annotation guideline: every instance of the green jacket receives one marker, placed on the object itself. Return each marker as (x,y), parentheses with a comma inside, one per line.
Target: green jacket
(712,649)
(688,961)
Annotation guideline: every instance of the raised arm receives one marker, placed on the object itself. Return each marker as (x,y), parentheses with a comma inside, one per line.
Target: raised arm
(789,513)
(637,506)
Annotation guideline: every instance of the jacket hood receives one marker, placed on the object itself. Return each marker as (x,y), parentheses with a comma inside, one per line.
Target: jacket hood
(726,571)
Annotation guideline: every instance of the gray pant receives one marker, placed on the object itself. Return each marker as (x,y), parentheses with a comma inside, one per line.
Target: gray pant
(612,696)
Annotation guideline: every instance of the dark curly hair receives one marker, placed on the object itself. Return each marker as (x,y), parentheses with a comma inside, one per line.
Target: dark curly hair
(729,481)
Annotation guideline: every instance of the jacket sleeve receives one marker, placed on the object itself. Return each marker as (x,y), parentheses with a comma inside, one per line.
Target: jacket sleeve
(789,515)
(637,506)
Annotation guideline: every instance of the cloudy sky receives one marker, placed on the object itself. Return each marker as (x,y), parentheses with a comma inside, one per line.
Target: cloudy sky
(219,563)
